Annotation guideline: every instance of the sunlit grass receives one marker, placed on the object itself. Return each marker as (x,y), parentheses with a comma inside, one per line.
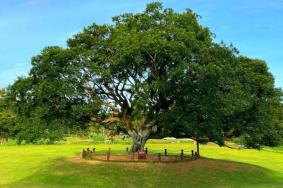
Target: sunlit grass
(51,166)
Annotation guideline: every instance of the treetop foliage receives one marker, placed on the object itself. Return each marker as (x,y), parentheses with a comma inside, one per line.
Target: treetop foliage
(154,73)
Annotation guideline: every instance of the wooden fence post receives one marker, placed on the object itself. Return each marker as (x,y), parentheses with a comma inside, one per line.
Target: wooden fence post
(182,154)
(145,150)
(84,154)
(87,152)
(196,155)
(165,152)
(108,154)
(192,153)
(198,149)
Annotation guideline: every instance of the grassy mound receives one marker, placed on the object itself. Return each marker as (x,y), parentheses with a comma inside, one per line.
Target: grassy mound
(34,166)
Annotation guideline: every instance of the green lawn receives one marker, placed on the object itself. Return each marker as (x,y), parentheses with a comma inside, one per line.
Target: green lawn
(54,166)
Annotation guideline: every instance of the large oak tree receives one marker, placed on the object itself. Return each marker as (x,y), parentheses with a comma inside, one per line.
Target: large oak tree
(155,73)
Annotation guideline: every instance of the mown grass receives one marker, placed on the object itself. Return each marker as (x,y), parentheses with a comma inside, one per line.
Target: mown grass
(54,166)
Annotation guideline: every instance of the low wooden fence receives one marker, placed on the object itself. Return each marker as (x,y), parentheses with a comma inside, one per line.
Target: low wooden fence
(144,155)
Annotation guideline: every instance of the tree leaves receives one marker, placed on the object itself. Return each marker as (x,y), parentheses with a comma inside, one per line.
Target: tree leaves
(154,68)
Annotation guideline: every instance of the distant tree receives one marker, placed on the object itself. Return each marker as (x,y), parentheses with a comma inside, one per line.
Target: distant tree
(154,73)
(7,119)
(260,122)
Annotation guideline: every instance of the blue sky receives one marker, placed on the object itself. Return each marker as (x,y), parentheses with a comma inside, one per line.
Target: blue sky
(255,27)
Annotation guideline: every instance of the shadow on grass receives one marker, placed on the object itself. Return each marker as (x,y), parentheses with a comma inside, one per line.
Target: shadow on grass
(75,173)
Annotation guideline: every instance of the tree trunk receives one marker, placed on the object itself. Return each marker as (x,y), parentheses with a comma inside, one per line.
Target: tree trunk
(198,148)
(140,137)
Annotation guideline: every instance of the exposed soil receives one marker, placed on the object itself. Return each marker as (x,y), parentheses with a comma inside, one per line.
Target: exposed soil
(173,162)
(134,158)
